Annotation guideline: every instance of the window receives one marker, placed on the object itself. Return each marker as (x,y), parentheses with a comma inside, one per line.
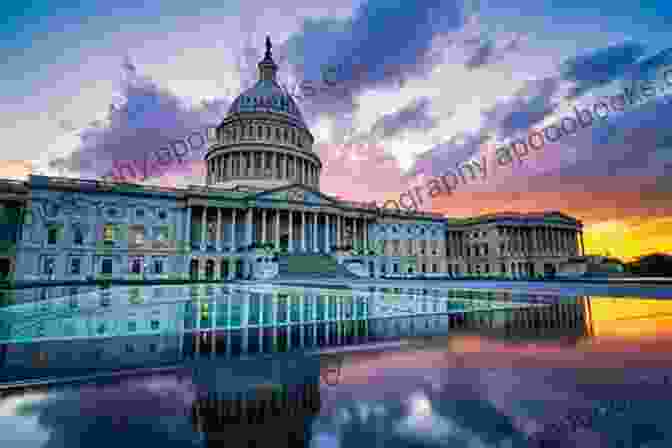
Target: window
(79,236)
(158,266)
(107,266)
(108,233)
(136,266)
(52,237)
(49,265)
(132,326)
(162,214)
(435,267)
(152,348)
(154,324)
(139,213)
(129,348)
(75,266)
(112,212)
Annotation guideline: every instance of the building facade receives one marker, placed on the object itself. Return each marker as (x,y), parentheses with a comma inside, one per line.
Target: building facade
(262,189)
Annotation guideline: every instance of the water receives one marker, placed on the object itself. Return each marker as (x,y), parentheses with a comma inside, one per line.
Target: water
(292,366)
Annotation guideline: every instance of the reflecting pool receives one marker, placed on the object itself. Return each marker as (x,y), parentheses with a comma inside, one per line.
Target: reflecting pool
(258,365)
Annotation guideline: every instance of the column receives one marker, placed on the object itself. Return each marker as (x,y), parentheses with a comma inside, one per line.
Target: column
(277,229)
(219,230)
(290,242)
(187,232)
(233,229)
(274,175)
(583,248)
(326,234)
(303,231)
(203,227)
(280,160)
(355,234)
(315,249)
(248,229)
(338,230)
(286,173)
(263,225)
(366,235)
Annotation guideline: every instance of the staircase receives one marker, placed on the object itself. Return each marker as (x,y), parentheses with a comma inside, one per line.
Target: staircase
(311,267)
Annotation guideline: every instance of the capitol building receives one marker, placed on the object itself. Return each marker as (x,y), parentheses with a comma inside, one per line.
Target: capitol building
(259,215)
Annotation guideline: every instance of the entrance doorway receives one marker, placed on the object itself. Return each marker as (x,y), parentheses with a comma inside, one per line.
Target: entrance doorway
(549,270)
(284,242)
(193,269)
(209,270)
(5,268)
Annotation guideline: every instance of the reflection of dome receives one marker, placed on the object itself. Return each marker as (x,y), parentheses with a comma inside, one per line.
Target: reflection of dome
(263,143)
(270,415)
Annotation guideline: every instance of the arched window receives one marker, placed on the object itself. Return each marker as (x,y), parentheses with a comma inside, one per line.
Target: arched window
(268,132)
(293,137)
(286,135)
(260,132)
(277,134)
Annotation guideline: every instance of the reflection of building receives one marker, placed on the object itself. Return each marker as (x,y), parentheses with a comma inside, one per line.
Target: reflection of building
(631,317)
(265,415)
(129,327)
(262,187)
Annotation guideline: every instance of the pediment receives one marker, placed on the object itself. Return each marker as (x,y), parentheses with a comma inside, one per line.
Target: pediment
(297,193)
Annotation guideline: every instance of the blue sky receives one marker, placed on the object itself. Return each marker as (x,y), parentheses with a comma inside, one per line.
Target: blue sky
(471,69)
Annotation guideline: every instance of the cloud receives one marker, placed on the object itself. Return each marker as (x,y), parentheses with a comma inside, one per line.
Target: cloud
(414,116)
(489,51)
(528,106)
(601,66)
(148,118)
(447,155)
(365,40)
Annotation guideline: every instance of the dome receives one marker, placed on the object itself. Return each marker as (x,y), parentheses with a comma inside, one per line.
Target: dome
(263,143)
(267,95)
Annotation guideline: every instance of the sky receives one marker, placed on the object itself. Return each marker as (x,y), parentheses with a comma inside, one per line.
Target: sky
(437,83)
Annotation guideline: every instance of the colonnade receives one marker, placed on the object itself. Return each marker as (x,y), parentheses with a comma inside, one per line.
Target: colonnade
(540,240)
(515,240)
(266,164)
(211,410)
(305,231)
